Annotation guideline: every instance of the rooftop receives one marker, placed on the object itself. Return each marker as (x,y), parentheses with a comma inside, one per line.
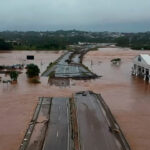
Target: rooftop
(146,58)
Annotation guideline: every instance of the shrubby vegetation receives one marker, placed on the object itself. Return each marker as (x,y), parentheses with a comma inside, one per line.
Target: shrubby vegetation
(32,70)
(14,75)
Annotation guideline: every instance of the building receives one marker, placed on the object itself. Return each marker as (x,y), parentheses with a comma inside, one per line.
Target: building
(141,66)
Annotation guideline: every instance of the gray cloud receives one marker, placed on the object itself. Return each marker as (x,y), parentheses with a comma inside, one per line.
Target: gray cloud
(123,15)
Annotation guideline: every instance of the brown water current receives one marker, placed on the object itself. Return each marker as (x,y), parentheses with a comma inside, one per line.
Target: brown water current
(128,97)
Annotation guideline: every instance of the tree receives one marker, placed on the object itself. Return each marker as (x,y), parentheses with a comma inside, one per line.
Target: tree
(14,75)
(122,41)
(32,70)
(4,45)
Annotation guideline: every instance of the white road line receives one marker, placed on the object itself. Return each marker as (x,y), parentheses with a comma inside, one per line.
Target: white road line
(57,134)
(59,118)
(83,147)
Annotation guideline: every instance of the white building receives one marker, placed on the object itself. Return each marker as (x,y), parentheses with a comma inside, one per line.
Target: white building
(141,66)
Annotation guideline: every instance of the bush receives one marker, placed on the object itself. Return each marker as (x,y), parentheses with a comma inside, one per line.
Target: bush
(32,70)
(14,75)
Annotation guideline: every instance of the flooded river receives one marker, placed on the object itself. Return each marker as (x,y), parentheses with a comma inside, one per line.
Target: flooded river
(128,97)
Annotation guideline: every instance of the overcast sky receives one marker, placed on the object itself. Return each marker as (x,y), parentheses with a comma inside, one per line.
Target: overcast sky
(91,15)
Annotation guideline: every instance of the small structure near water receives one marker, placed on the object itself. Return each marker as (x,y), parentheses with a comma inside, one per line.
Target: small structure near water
(141,66)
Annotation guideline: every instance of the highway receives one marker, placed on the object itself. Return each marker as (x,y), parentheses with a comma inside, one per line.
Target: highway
(57,136)
(73,69)
(93,126)
(57,121)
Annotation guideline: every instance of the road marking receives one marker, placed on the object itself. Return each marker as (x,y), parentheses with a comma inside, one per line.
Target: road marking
(83,147)
(59,118)
(57,134)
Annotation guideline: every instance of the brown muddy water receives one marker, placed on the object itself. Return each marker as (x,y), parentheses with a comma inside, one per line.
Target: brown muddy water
(128,97)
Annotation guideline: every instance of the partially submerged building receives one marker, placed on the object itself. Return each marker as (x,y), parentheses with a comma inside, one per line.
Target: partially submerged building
(141,66)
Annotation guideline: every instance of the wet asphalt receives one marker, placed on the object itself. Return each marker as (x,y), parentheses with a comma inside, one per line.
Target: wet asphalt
(57,136)
(64,69)
(94,131)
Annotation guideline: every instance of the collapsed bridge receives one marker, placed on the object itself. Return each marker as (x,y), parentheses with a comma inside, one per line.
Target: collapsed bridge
(83,122)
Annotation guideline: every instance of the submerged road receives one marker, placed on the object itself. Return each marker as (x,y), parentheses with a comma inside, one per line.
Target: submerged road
(93,127)
(57,136)
(69,66)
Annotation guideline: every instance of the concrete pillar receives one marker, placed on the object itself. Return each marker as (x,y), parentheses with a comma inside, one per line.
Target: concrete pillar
(137,71)
(140,71)
(133,69)
(144,73)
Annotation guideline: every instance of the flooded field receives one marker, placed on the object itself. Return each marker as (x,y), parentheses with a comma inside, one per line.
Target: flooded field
(128,97)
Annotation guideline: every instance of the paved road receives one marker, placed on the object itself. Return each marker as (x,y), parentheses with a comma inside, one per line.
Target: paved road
(57,137)
(74,69)
(62,61)
(76,58)
(64,69)
(93,126)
